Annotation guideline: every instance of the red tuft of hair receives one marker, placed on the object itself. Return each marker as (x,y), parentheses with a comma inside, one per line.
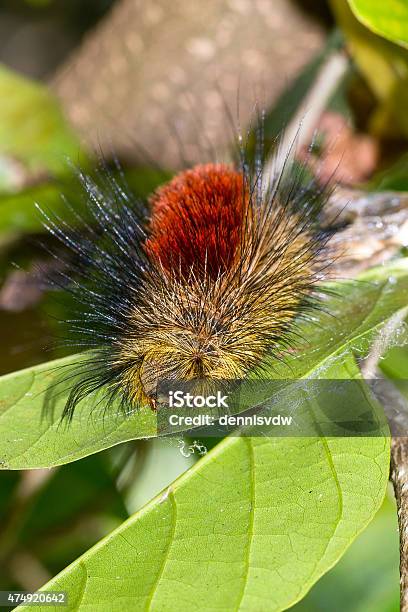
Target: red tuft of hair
(196,220)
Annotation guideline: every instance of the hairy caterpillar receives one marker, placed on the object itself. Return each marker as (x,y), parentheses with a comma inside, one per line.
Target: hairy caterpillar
(202,283)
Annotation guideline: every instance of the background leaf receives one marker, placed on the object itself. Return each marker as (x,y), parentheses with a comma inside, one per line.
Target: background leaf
(383,64)
(389,19)
(35,146)
(32,128)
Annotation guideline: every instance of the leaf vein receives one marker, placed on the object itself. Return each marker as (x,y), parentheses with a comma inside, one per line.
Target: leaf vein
(250,530)
(155,586)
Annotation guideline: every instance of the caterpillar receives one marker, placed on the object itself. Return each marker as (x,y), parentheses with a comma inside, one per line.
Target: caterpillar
(203,281)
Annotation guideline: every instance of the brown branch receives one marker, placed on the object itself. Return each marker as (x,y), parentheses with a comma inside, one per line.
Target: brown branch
(396,410)
(299,131)
(399,477)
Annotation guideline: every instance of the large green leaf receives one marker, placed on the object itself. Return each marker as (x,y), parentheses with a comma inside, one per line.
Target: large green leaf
(389,19)
(250,527)
(30,439)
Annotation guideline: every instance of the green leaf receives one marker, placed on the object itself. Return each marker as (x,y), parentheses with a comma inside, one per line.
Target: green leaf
(160,467)
(388,19)
(395,363)
(380,61)
(35,144)
(30,439)
(251,526)
(383,64)
(34,435)
(366,579)
(395,367)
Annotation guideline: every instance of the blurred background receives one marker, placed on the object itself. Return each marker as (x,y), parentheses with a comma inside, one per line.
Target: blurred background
(155,85)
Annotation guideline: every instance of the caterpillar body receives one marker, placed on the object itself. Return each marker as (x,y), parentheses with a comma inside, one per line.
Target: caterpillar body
(202,283)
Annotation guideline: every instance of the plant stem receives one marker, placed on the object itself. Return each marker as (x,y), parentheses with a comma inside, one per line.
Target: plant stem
(299,131)
(399,477)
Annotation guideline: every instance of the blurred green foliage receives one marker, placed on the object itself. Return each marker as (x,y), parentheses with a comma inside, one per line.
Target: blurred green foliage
(389,19)
(32,129)
(384,65)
